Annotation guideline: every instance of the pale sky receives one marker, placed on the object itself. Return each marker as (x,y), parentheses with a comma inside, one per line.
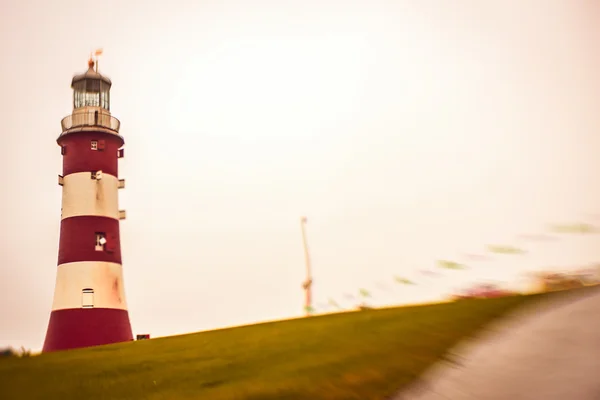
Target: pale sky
(406,131)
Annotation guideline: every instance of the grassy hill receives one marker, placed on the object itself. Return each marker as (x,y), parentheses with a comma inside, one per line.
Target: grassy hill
(359,355)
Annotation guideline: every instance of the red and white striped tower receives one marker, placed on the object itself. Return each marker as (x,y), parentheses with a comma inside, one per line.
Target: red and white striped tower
(89,307)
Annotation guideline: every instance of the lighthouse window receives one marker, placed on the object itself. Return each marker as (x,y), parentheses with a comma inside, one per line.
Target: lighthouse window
(96,175)
(87,298)
(105,99)
(83,99)
(94,145)
(78,98)
(92,99)
(100,241)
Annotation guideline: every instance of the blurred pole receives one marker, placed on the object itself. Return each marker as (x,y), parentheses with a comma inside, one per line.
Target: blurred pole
(307,284)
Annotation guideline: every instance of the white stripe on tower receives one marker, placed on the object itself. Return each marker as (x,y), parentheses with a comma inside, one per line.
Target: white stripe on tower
(83,195)
(104,278)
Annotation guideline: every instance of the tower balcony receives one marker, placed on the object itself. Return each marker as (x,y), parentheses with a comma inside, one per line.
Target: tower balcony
(90,120)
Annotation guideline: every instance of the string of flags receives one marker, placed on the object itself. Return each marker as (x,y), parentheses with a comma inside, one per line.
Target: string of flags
(554,235)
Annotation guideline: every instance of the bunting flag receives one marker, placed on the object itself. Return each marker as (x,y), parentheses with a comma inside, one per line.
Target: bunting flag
(428,272)
(505,249)
(403,281)
(364,293)
(476,257)
(450,264)
(309,309)
(333,303)
(580,228)
(98,52)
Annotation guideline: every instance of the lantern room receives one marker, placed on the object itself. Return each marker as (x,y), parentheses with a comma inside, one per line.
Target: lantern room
(91,104)
(91,89)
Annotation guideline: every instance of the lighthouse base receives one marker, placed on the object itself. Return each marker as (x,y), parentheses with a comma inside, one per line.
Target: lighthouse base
(86,327)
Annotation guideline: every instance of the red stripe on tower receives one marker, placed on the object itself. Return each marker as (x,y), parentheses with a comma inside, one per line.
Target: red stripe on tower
(89,307)
(79,156)
(89,238)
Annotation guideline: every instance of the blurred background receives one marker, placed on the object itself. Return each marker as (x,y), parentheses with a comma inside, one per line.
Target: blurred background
(413,135)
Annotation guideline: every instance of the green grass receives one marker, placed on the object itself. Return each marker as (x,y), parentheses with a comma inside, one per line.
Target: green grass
(361,355)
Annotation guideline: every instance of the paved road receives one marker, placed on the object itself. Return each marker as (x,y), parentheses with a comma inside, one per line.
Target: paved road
(547,352)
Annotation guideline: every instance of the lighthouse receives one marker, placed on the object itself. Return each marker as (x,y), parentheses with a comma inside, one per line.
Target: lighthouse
(89,306)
